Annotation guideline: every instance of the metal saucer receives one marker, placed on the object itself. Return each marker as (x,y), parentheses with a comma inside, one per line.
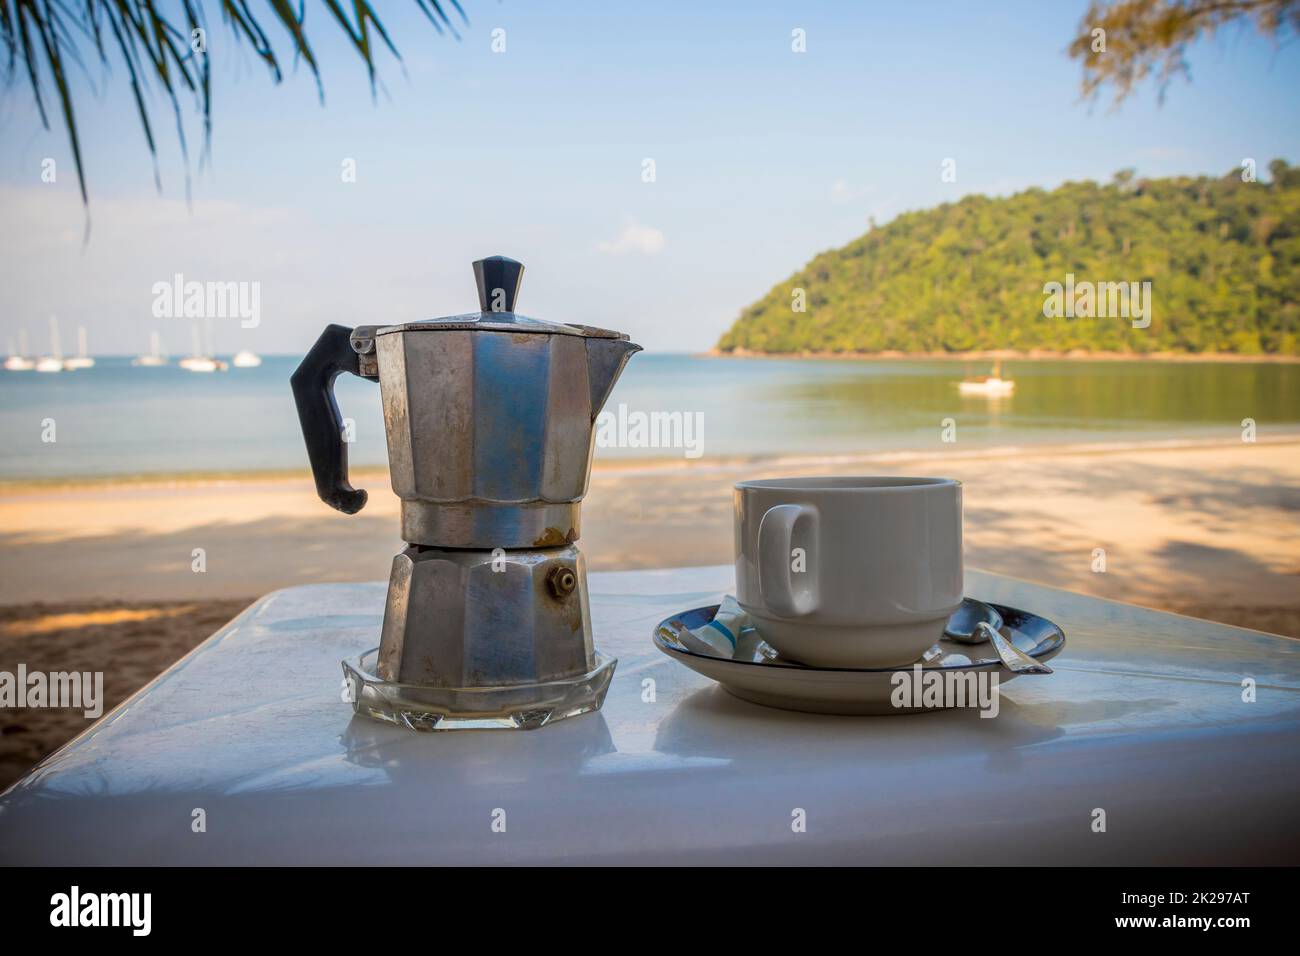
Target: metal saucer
(758,673)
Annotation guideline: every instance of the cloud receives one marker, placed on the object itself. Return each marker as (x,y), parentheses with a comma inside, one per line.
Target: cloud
(841,191)
(635,237)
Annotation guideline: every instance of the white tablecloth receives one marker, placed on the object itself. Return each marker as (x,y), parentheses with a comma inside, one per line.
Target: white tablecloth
(1143,719)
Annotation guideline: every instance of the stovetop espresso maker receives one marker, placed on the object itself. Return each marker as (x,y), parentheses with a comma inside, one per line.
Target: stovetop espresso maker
(490,423)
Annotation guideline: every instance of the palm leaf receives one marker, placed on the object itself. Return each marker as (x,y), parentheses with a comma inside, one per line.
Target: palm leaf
(46,36)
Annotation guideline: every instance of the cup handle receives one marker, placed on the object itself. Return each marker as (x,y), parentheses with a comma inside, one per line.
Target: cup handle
(776,573)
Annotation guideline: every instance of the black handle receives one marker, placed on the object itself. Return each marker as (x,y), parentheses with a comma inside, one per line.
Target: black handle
(318,413)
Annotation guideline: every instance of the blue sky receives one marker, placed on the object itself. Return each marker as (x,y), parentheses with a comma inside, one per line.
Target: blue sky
(763,158)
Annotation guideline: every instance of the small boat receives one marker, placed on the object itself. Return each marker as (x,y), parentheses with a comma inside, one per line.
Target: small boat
(18,361)
(54,361)
(154,358)
(992,386)
(202,363)
(199,362)
(246,359)
(81,359)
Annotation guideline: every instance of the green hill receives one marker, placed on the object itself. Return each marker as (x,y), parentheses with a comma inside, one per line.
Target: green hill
(1221,256)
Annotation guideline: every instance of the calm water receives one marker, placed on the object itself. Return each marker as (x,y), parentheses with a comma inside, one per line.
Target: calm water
(116,419)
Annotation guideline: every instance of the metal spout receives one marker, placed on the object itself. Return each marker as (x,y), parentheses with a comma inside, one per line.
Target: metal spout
(605,361)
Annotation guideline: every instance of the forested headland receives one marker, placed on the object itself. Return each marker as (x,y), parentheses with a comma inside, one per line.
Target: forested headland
(1220,254)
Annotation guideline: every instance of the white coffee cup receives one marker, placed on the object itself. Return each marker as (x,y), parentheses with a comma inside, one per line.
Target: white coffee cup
(849,572)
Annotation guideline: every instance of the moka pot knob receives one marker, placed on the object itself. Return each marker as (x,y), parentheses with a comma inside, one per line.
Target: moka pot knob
(498,281)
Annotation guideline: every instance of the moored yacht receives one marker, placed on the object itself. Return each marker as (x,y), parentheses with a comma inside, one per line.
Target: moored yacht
(18,361)
(54,361)
(154,358)
(992,386)
(246,359)
(81,359)
(198,362)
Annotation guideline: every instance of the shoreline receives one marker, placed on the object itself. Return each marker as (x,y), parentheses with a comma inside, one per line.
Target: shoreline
(639,467)
(1031,355)
(1218,520)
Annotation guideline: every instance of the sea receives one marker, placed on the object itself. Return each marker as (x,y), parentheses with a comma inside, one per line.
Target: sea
(119,420)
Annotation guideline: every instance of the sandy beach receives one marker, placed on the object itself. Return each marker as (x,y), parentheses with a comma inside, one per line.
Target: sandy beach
(126,576)
(1183,524)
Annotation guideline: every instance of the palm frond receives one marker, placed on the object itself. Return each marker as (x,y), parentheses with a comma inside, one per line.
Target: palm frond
(48,36)
(1121,43)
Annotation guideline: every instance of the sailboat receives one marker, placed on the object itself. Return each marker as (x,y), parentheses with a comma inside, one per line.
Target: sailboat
(154,358)
(18,361)
(246,359)
(81,359)
(199,362)
(54,361)
(992,386)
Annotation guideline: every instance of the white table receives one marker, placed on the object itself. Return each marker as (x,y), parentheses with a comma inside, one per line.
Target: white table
(1144,719)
